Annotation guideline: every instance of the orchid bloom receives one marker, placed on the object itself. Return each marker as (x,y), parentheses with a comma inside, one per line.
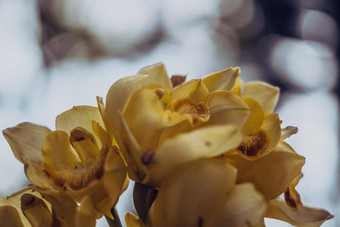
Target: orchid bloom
(79,159)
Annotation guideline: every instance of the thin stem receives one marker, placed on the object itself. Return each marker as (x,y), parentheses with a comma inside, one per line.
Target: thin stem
(116,220)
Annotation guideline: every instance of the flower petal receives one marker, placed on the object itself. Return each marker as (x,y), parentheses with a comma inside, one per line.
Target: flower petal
(265,94)
(114,181)
(271,126)
(183,200)
(272,173)
(151,118)
(204,142)
(244,207)
(79,116)
(25,207)
(132,220)
(57,152)
(303,216)
(222,80)
(26,140)
(157,75)
(9,216)
(237,86)
(287,132)
(132,152)
(227,108)
(193,90)
(255,118)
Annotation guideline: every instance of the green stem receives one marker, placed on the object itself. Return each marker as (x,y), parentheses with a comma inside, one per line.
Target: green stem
(116,221)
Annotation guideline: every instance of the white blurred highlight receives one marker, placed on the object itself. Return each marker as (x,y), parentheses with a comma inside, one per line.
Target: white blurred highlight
(116,25)
(308,65)
(318,26)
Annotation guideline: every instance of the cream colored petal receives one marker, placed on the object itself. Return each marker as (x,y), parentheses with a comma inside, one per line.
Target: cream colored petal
(113,180)
(272,129)
(272,173)
(79,116)
(36,210)
(204,142)
(255,118)
(222,80)
(265,94)
(64,208)
(287,132)
(132,152)
(193,194)
(244,207)
(193,90)
(28,208)
(146,118)
(132,220)
(26,140)
(157,75)
(227,108)
(120,94)
(9,216)
(57,152)
(303,216)
(86,213)
(237,86)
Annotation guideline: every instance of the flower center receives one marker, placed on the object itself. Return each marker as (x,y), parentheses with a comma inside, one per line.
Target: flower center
(197,111)
(253,144)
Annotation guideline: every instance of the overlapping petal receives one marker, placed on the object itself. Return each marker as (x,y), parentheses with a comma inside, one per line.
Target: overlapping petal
(265,94)
(80,159)
(272,173)
(303,216)
(183,200)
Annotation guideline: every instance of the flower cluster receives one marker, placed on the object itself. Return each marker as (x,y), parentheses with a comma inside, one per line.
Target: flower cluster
(206,152)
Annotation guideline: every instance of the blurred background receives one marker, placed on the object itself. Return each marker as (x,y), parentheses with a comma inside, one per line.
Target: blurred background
(56,54)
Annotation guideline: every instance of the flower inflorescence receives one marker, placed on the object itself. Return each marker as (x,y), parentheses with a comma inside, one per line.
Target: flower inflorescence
(206,152)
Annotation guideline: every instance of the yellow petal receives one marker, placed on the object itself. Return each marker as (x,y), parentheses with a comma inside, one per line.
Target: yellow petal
(25,207)
(222,80)
(227,108)
(193,90)
(244,207)
(255,118)
(287,132)
(157,75)
(35,210)
(146,118)
(132,220)
(86,213)
(204,142)
(131,151)
(272,173)
(202,193)
(79,116)
(26,140)
(303,216)
(265,94)
(237,86)
(9,217)
(271,126)
(193,193)
(57,152)
(113,180)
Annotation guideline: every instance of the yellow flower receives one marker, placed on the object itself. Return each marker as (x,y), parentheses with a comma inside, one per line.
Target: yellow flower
(25,208)
(158,126)
(278,173)
(78,158)
(203,193)
(261,132)
(28,207)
